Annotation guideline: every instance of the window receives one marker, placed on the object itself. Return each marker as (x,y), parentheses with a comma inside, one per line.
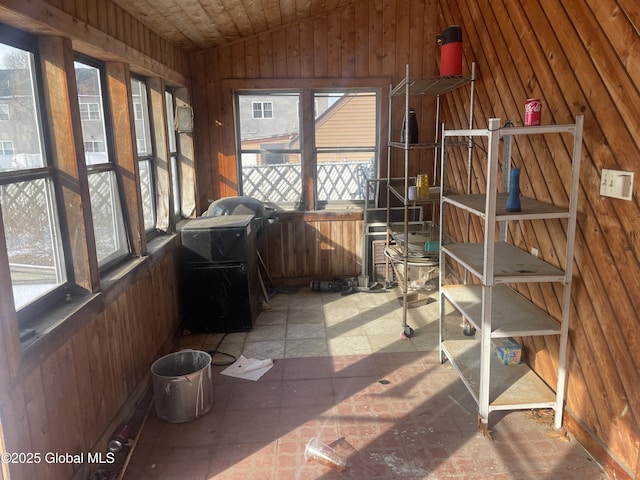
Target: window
(138,113)
(90,111)
(343,146)
(6,147)
(173,152)
(145,153)
(270,153)
(29,210)
(262,110)
(106,208)
(94,147)
(346,144)
(4,112)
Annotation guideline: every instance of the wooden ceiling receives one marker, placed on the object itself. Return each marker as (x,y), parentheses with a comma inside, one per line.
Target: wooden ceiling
(194,25)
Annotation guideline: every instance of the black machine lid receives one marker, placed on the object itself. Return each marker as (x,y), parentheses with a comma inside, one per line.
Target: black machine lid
(226,221)
(240,205)
(451,34)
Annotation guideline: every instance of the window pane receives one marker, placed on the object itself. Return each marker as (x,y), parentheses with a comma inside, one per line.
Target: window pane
(278,182)
(91,113)
(281,132)
(111,238)
(346,140)
(33,239)
(173,150)
(17,90)
(146,188)
(175,180)
(141,114)
(270,147)
(171,122)
(346,120)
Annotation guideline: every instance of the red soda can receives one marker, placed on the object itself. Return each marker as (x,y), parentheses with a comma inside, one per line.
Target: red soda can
(532,111)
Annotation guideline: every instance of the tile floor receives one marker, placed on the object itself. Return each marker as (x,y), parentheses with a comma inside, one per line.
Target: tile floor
(342,373)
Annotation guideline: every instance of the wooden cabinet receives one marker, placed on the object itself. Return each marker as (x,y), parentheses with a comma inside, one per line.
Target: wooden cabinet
(492,268)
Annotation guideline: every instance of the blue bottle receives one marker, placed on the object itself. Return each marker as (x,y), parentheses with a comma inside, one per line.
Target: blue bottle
(513,200)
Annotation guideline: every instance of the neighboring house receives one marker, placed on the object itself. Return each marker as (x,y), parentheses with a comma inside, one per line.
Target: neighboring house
(19,143)
(349,121)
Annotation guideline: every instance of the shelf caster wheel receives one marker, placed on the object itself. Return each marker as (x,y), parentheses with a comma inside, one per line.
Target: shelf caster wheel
(408,331)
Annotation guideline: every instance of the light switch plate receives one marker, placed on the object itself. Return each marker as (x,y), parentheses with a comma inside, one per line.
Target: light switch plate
(616,184)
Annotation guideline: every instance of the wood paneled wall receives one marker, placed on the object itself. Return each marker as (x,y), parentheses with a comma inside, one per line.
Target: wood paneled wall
(304,247)
(579,58)
(67,400)
(368,39)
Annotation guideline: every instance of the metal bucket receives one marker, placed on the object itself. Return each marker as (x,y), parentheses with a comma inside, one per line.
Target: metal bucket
(182,385)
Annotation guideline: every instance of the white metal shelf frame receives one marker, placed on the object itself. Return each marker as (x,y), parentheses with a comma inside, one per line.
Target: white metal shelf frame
(407,88)
(493,308)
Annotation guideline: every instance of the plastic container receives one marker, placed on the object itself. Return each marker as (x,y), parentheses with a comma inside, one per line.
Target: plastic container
(422,186)
(450,51)
(322,453)
(182,385)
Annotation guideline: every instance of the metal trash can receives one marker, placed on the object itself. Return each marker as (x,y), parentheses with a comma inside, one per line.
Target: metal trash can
(182,385)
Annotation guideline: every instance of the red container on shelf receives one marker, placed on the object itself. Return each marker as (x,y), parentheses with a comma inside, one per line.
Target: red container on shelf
(450,51)
(532,112)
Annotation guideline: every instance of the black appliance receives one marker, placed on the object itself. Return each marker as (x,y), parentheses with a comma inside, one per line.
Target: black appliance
(219,284)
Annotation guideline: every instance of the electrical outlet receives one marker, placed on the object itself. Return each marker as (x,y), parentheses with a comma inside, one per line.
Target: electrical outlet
(616,184)
(534,252)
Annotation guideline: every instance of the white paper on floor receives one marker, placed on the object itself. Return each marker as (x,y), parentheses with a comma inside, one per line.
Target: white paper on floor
(248,368)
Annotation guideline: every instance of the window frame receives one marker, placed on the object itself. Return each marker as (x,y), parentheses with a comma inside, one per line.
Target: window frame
(59,128)
(150,156)
(110,165)
(174,153)
(24,41)
(283,205)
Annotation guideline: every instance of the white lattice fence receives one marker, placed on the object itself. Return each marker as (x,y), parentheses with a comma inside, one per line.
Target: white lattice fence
(282,183)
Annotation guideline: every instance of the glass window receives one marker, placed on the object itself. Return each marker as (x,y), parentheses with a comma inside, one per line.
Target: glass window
(28,201)
(90,111)
(173,153)
(6,147)
(270,152)
(346,144)
(106,207)
(145,151)
(106,211)
(262,110)
(4,112)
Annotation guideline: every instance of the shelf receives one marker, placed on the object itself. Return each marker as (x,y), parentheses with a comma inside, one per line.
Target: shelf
(511,387)
(430,86)
(509,131)
(511,316)
(434,195)
(414,146)
(530,209)
(512,265)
